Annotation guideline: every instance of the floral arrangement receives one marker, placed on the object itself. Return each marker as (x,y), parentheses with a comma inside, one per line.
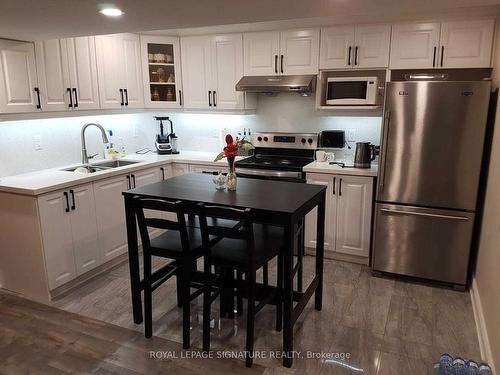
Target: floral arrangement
(232,146)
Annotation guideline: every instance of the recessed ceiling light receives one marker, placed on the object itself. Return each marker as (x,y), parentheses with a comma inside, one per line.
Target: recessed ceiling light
(111,12)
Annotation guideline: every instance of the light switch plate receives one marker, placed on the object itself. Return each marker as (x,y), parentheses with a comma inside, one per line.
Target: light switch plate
(37,142)
(351,135)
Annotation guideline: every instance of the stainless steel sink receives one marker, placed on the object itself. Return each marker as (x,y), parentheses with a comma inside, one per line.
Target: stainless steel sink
(102,166)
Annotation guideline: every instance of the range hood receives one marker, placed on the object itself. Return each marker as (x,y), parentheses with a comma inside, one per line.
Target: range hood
(303,84)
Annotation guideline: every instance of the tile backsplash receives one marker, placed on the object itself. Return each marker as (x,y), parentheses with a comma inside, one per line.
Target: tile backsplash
(30,145)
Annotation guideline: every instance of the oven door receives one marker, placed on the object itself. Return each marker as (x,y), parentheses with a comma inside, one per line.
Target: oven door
(351,91)
(271,174)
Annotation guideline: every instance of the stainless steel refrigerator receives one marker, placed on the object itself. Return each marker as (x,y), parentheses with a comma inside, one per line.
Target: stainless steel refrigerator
(432,149)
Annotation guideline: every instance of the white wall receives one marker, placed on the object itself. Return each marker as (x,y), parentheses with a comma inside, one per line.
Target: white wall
(197,132)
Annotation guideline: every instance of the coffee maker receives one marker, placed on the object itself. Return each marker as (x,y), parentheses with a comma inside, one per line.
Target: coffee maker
(166,144)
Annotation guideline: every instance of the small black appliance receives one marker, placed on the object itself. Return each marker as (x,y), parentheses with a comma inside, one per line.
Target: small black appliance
(163,142)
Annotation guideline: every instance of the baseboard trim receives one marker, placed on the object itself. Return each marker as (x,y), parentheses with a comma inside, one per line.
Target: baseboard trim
(482,332)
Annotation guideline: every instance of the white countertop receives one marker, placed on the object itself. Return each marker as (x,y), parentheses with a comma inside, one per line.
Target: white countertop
(47,180)
(325,167)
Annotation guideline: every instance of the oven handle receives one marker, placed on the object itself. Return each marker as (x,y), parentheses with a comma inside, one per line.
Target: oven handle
(268,173)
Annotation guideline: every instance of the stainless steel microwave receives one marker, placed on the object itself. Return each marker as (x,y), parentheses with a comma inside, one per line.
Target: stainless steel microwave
(351,90)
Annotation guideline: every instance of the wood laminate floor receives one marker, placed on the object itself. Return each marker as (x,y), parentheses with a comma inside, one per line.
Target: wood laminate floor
(368,325)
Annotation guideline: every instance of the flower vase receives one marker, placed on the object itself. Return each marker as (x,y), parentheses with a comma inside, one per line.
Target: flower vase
(231,175)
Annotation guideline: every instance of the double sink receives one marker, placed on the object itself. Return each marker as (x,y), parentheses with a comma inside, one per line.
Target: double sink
(100,166)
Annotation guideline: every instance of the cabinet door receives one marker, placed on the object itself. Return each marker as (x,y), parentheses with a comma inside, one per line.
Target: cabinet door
(208,169)
(84,229)
(179,169)
(110,68)
(414,45)
(166,172)
(110,213)
(53,79)
(18,78)
(466,44)
(161,71)
(354,212)
(83,72)
(132,78)
(261,53)
(372,42)
(337,45)
(146,177)
(196,72)
(299,51)
(227,63)
(57,239)
(311,217)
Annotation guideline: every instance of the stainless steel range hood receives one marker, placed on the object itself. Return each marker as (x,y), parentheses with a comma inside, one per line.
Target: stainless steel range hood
(303,84)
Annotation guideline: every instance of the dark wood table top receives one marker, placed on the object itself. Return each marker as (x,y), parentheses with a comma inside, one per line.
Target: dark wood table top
(263,195)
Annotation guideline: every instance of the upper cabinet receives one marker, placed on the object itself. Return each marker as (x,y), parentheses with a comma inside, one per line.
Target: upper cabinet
(286,52)
(19,90)
(457,44)
(211,67)
(364,46)
(119,69)
(67,74)
(161,67)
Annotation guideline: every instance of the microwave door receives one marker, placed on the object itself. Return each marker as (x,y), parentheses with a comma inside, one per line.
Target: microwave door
(347,92)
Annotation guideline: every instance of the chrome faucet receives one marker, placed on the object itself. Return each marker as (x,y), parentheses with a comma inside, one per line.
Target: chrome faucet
(85,157)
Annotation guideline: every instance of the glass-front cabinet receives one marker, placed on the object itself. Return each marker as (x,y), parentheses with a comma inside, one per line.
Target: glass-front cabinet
(162,71)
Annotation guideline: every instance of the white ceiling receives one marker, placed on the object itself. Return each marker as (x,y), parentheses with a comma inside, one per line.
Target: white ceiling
(43,19)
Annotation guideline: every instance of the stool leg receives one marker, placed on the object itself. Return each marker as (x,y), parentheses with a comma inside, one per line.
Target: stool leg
(206,304)
(250,317)
(279,306)
(186,304)
(265,274)
(239,298)
(148,297)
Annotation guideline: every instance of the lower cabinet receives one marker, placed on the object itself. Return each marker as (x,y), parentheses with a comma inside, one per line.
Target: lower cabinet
(69,232)
(179,169)
(209,169)
(349,205)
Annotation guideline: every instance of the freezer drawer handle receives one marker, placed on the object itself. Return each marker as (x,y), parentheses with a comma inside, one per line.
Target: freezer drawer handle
(462,218)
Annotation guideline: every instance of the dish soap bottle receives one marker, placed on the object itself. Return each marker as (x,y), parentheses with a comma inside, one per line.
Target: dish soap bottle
(122,148)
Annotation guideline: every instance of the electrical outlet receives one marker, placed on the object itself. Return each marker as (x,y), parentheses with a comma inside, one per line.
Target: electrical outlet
(351,135)
(37,142)
(134,131)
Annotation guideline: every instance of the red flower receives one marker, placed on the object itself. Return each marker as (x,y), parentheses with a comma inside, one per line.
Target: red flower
(229,139)
(230,149)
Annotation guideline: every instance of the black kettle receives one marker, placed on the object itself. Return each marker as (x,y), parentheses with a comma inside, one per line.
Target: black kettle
(365,153)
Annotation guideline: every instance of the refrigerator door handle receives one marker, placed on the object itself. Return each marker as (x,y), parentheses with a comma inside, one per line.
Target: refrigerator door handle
(387,121)
(462,218)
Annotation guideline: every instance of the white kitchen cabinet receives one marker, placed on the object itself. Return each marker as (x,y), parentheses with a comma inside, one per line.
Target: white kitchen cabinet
(354,213)
(67,74)
(466,44)
(349,201)
(57,238)
(299,51)
(287,52)
(261,53)
(69,232)
(363,46)
(415,45)
(161,67)
(119,70)
(146,177)
(110,216)
(166,171)
(211,66)
(208,169)
(179,169)
(330,208)
(18,78)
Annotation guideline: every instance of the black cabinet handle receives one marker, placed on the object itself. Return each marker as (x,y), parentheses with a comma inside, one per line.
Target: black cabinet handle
(215,98)
(73,204)
(334,181)
(282,57)
(67,201)
(209,98)
(340,187)
(349,55)
(76,97)
(126,96)
(39,105)
(133,180)
(162,173)
(121,94)
(70,98)
(276,64)
(355,57)
(442,55)
(434,57)
(180,98)
(129,186)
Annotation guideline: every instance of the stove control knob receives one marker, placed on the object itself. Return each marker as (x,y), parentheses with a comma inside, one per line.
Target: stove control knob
(310,141)
(265,139)
(259,139)
(303,140)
